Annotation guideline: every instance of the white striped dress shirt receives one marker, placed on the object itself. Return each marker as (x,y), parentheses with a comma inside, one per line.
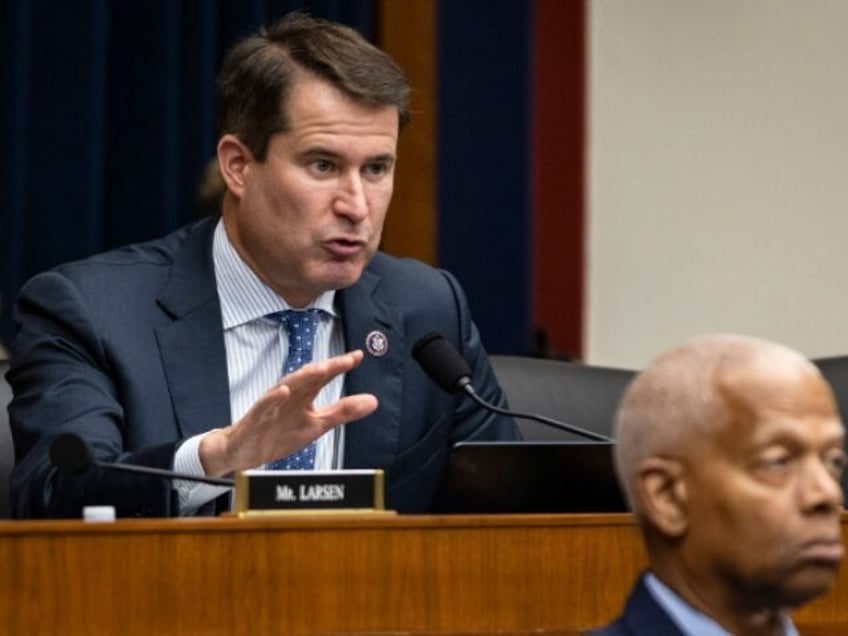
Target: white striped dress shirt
(256,348)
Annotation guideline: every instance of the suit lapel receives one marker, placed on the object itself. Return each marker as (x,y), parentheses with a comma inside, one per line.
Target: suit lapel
(373,441)
(192,345)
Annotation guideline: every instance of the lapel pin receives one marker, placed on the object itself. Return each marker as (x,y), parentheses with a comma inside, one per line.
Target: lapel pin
(377,344)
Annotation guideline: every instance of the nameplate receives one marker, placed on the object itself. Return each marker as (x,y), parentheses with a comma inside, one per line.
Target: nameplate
(308,490)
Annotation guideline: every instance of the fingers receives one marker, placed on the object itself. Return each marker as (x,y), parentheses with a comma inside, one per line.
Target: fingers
(348,409)
(306,382)
(284,418)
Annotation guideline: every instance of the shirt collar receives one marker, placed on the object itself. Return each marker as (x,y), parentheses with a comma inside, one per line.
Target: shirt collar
(244,297)
(689,620)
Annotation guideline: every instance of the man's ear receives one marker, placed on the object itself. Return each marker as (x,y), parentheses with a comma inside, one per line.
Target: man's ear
(661,488)
(234,161)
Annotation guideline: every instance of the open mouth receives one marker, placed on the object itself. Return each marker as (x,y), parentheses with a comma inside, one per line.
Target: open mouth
(345,246)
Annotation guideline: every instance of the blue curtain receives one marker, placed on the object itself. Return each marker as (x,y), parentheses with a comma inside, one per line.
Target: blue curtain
(107,117)
(484,198)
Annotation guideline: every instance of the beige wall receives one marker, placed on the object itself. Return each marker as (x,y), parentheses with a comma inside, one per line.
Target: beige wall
(718,174)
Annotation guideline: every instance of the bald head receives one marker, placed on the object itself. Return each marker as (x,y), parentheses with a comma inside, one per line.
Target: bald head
(687,394)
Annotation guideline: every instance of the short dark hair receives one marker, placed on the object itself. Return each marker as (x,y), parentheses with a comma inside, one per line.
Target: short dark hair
(258,73)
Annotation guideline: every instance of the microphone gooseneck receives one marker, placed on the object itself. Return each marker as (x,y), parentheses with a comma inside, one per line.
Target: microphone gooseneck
(70,453)
(446,367)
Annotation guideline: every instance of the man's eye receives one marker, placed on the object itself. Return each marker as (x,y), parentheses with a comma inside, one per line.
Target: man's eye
(835,462)
(323,165)
(776,461)
(376,169)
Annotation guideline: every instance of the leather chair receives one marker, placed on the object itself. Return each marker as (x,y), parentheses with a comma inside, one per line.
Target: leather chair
(579,394)
(7,454)
(835,371)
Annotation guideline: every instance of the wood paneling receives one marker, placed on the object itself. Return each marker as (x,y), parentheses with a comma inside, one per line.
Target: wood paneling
(407,33)
(549,574)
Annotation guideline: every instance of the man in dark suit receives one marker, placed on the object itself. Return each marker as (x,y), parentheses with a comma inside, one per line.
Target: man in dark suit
(170,354)
(730,451)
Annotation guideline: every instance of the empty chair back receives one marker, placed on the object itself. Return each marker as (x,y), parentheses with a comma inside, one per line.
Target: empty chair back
(7,454)
(578,394)
(835,371)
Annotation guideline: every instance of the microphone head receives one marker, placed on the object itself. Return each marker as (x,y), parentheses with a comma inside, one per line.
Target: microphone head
(441,361)
(70,454)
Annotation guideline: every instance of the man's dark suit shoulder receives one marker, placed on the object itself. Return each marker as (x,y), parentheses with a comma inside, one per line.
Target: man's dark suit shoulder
(642,616)
(407,278)
(155,257)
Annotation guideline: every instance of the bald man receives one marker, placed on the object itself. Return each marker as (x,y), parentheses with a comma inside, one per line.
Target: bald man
(730,450)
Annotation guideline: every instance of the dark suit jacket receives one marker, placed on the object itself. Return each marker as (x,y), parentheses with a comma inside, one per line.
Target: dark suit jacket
(642,617)
(126,349)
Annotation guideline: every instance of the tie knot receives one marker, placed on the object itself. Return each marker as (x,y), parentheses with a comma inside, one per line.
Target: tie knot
(299,322)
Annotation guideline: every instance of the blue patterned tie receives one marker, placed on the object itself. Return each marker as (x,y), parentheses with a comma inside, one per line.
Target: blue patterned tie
(300,327)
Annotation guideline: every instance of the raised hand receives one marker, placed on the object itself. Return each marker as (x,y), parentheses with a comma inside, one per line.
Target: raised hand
(284,420)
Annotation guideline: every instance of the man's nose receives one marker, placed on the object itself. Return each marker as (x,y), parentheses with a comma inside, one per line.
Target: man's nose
(821,487)
(350,200)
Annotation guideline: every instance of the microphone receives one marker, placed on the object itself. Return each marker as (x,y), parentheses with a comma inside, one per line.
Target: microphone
(71,454)
(442,363)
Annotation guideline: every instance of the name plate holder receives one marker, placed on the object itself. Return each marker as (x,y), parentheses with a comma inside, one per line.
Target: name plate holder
(283,492)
